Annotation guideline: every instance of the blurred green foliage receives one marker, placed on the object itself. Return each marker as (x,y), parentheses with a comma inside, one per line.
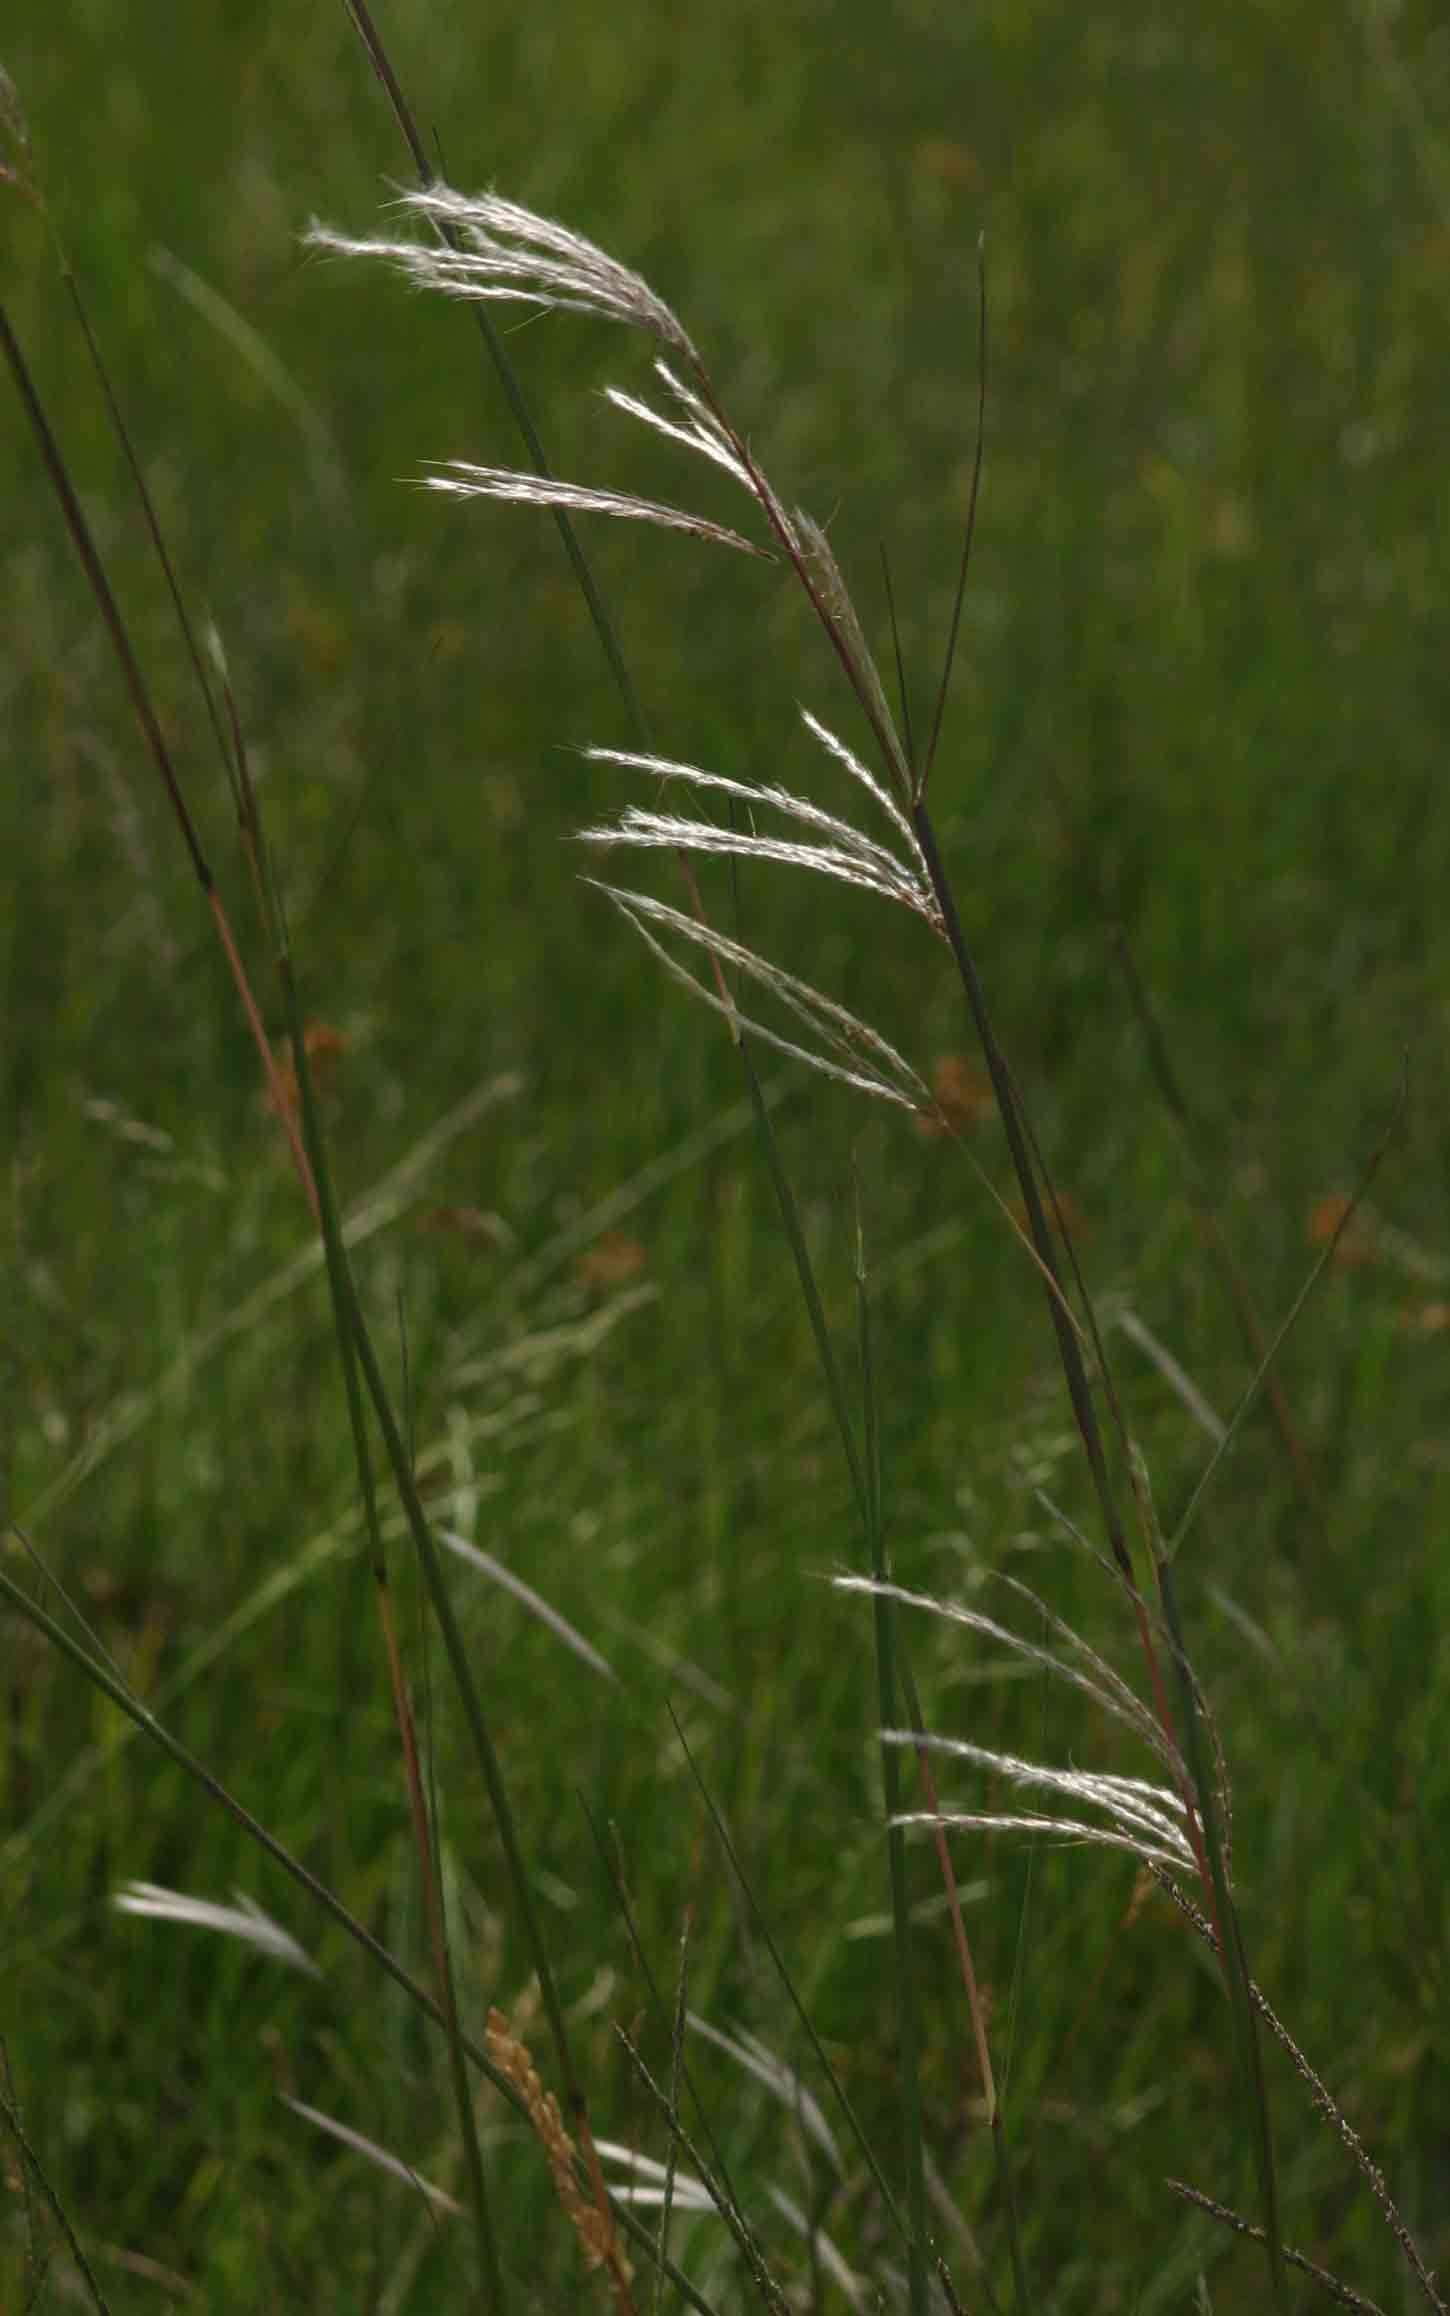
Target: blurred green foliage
(1203,696)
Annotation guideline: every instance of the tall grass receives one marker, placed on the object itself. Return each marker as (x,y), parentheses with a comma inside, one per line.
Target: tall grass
(879,2225)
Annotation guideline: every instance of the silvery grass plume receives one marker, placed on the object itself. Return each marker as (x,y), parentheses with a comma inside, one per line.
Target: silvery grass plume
(490,249)
(244,1920)
(1148,1819)
(641,2181)
(383,2158)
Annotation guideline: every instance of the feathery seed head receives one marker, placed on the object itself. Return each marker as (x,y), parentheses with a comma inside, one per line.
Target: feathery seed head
(491,249)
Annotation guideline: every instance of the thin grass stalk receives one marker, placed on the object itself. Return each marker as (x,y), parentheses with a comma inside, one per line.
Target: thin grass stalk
(1285,1328)
(111,617)
(115,626)
(490,2273)
(810,1293)
(1326,2104)
(123,436)
(1201,1814)
(32,2169)
(365,27)
(7,2081)
(119,1695)
(1027,1160)
(604,628)
(866,1482)
(116,1692)
(996,2119)
(868,1502)
(726,2205)
(762,1927)
(861,687)
(316,1186)
(1142,1502)
(1079,1389)
(1343,2293)
(722,2185)
(1164,1074)
(235,766)
(100,587)
(677,2053)
(1231,1948)
(431,1562)
(886,1680)
(1202,1823)
(903,689)
(441,1600)
(969,532)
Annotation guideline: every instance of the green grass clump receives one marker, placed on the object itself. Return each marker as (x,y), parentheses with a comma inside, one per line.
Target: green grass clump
(540,1547)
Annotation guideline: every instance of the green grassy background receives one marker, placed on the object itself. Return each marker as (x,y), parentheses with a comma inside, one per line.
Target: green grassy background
(1204,692)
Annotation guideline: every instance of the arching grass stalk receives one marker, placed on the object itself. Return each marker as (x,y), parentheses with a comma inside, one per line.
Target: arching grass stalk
(499,252)
(451,239)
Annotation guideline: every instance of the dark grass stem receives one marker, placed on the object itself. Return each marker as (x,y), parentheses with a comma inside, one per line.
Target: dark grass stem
(883,1623)
(604,628)
(1287,1325)
(677,2053)
(106,603)
(865,1479)
(311,1163)
(365,26)
(1164,1073)
(1343,2293)
(430,1561)
(1231,1946)
(111,619)
(1079,1389)
(151,729)
(762,1927)
(1026,1163)
(750,2250)
(903,689)
(717,2175)
(1325,2103)
(996,2119)
(33,2173)
(1202,1825)
(1209,1842)
(148,509)
(969,532)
